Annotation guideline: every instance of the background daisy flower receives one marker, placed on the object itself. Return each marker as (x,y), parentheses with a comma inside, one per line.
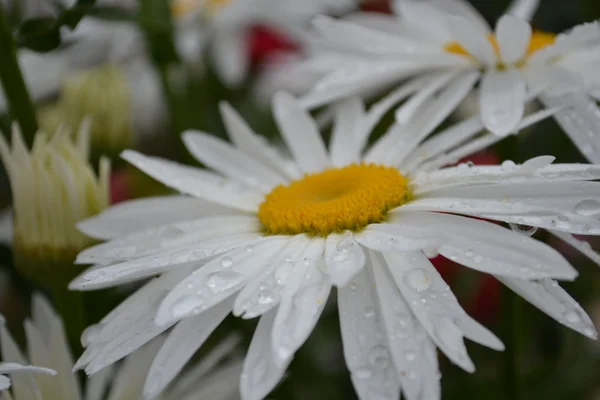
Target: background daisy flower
(433,43)
(262,236)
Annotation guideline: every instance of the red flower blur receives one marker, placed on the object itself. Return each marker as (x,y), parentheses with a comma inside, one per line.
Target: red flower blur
(264,43)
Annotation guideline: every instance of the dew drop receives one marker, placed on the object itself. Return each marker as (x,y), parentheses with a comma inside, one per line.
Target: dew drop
(369,312)
(223,280)
(226,262)
(363,373)
(417,279)
(250,248)
(587,207)
(379,356)
(572,317)
(508,165)
(523,229)
(469,253)
(410,356)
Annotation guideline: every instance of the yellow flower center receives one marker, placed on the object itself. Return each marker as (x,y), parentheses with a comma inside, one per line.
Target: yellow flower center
(180,8)
(538,41)
(337,199)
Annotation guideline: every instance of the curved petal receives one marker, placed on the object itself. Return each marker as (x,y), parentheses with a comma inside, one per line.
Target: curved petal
(142,214)
(302,303)
(217,280)
(260,373)
(228,50)
(196,182)
(474,42)
(413,352)
(513,35)
(256,146)
(181,344)
(502,100)
(344,258)
(366,349)
(229,161)
(523,9)
(301,133)
(554,301)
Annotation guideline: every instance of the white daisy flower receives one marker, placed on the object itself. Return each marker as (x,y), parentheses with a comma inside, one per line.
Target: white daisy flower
(263,236)
(47,345)
(224,26)
(514,63)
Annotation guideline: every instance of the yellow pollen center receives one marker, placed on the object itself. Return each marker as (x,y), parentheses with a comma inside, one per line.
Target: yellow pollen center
(335,200)
(538,41)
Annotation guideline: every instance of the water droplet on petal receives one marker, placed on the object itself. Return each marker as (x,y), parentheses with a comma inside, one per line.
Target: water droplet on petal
(226,262)
(410,356)
(572,317)
(508,165)
(369,312)
(523,229)
(363,373)
(417,279)
(223,280)
(587,207)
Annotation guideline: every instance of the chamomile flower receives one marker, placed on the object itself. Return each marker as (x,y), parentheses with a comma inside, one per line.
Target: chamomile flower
(224,26)
(260,235)
(513,64)
(47,345)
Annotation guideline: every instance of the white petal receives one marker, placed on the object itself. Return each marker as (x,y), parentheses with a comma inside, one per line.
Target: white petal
(4,383)
(485,246)
(581,36)
(168,237)
(129,271)
(349,113)
(181,344)
(513,35)
(302,303)
(413,352)
(260,374)
(264,292)
(217,280)
(379,238)
(400,141)
(229,161)
(581,121)
(96,385)
(523,9)
(246,140)
(350,36)
(344,258)
(14,368)
(549,297)
(440,314)
(583,246)
(508,173)
(502,100)
(141,214)
(300,133)
(229,55)
(474,42)
(196,182)
(366,349)
(406,111)
(130,325)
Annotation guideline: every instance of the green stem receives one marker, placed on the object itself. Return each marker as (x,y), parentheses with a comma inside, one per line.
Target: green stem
(511,321)
(19,103)
(69,304)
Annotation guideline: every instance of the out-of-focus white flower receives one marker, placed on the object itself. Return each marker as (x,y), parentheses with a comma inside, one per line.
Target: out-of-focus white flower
(53,188)
(433,43)
(224,25)
(47,345)
(260,235)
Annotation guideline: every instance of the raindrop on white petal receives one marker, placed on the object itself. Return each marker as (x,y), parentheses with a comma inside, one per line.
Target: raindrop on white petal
(410,356)
(523,229)
(226,262)
(417,279)
(508,165)
(572,317)
(363,373)
(379,357)
(223,280)
(369,312)
(587,207)
(186,305)
(469,253)
(249,248)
